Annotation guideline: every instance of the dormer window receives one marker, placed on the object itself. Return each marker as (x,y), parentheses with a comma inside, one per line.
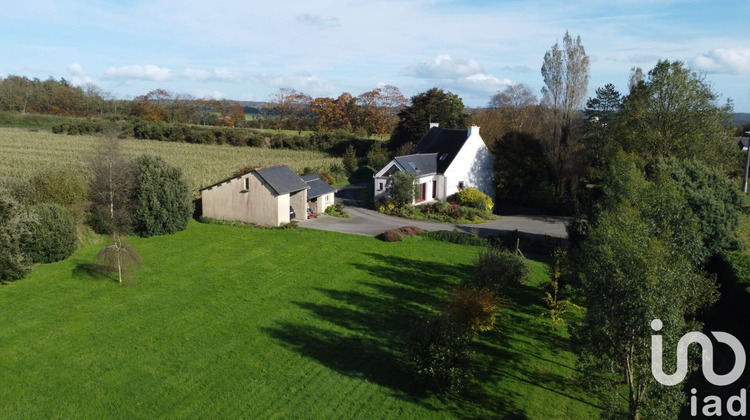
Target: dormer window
(413,166)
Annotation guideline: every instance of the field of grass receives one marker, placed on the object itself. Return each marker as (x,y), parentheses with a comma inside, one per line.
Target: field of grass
(34,121)
(236,322)
(23,152)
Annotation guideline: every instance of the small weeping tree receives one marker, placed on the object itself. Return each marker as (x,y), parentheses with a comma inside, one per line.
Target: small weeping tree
(110,189)
(117,255)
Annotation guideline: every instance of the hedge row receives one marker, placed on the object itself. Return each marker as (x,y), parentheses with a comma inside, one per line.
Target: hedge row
(334,143)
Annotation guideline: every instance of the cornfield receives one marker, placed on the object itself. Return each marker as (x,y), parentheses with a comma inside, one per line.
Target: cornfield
(23,152)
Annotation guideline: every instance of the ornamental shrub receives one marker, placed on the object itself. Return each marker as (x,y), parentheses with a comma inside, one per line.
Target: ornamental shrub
(474,308)
(14,234)
(66,187)
(393,235)
(53,235)
(161,198)
(472,197)
(497,269)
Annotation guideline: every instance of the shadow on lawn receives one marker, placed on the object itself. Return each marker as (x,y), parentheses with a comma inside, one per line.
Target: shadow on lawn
(369,326)
(90,271)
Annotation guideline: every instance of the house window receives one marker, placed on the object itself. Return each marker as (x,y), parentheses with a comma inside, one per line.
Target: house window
(328,197)
(247,184)
(460,185)
(380,186)
(424,192)
(434,189)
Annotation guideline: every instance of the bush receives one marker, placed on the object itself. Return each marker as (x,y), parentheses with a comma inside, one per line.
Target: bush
(403,187)
(496,269)
(457,237)
(337,210)
(161,198)
(438,354)
(53,235)
(734,268)
(64,187)
(393,235)
(410,230)
(14,233)
(472,197)
(474,308)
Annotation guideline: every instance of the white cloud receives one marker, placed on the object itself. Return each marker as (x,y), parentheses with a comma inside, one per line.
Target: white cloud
(210,94)
(484,82)
(445,67)
(217,75)
(464,73)
(303,82)
(79,76)
(147,72)
(318,21)
(725,60)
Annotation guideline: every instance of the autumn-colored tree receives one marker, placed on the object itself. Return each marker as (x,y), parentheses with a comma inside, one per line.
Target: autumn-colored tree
(230,113)
(378,110)
(329,114)
(292,109)
(152,106)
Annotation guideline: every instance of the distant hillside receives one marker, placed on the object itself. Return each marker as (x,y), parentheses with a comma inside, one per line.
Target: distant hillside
(252,107)
(741,118)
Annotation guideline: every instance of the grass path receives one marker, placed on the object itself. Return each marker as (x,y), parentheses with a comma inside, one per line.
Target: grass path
(228,322)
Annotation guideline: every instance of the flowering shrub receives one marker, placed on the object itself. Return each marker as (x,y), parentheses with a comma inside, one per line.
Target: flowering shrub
(472,197)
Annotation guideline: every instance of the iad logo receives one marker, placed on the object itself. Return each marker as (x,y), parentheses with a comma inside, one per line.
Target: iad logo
(712,403)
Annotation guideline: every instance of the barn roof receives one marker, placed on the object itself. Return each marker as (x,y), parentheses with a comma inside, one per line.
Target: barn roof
(318,187)
(282,179)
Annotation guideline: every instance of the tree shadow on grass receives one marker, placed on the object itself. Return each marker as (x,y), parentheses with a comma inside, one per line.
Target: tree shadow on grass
(368,328)
(91,272)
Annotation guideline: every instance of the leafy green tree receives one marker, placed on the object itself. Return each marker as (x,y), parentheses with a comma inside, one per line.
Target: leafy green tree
(434,105)
(350,161)
(14,234)
(377,157)
(161,198)
(403,187)
(675,113)
(53,236)
(711,197)
(522,172)
(638,262)
(600,135)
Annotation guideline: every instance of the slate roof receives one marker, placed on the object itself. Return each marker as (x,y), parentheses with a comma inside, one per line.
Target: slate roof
(421,164)
(443,142)
(282,179)
(318,187)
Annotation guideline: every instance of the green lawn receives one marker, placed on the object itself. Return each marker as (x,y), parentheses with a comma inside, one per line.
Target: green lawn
(230,322)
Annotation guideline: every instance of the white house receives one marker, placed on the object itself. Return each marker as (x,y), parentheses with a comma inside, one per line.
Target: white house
(446,161)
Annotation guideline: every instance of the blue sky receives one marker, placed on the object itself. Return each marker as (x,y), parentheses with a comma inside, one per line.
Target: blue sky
(246,50)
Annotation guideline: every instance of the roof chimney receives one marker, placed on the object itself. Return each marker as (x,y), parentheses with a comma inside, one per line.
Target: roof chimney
(432,124)
(474,129)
